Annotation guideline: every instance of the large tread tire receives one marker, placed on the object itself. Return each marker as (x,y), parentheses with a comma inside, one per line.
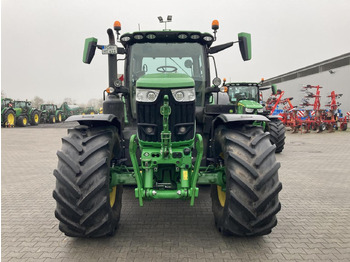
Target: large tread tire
(52,119)
(277,134)
(9,118)
(252,185)
(22,121)
(84,205)
(35,118)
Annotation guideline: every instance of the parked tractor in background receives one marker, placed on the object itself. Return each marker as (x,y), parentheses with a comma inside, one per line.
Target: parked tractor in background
(25,113)
(89,111)
(174,140)
(50,114)
(245,96)
(69,110)
(8,114)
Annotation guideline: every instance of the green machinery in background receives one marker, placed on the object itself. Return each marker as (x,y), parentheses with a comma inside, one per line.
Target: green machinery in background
(50,114)
(26,114)
(69,110)
(8,114)
(245,96)
(161,132)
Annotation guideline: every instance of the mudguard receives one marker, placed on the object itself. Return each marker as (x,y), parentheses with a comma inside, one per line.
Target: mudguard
(274,117)
(230,118)
(96,120)
(226,118)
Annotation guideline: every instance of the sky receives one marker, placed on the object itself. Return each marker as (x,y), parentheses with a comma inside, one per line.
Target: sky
(42,40)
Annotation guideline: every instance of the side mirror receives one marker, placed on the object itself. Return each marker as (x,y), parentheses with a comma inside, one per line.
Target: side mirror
(274,89)
(245,45)
(89,49)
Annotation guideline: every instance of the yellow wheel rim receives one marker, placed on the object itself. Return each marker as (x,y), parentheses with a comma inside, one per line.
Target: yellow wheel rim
(59,117)
(221,196)
(92,113)
(54,120)
(36,118)
(25,121)
(11,119)
(112,196)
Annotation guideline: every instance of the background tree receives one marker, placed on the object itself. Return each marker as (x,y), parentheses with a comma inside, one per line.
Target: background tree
(37,101)
(69,101)
(3,94)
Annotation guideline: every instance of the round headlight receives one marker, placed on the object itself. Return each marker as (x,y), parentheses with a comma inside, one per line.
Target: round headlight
(182,130)
(139,96)
(149,130)
(216,81)
(179,96)
(191,96)
(151,96)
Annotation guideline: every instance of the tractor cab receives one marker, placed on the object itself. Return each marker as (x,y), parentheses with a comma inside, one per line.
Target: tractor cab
(245,97)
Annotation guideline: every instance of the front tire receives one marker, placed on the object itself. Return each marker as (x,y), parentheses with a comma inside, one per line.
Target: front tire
(250,203)
(35,118)
(10,118)
(22,121)
(52,119)
(85,205)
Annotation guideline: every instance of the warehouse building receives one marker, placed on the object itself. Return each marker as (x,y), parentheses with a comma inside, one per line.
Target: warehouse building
(332,74)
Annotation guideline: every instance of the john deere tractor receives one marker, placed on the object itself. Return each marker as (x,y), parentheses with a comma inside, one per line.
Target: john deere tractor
(175,139)
(246,99)
(25,113)
(50,114)
(8,114)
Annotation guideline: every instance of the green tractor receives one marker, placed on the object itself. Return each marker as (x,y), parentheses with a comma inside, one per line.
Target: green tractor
(174,140)
(50,114)
(25,113)
(8,114)
(245,96)
(89,111)
(69,110)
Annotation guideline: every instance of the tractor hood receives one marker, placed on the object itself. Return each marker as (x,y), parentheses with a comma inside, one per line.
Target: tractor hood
(165,80)
(250,104)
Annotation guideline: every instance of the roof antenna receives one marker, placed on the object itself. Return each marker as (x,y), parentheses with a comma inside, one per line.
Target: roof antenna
(139,27)
(168,19)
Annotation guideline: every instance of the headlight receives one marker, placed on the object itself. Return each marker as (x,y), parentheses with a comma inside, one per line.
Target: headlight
(184,95)
(261,110)
(146,95)
(249,110)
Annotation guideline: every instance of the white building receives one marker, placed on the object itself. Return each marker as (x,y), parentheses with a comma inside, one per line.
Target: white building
(332,74)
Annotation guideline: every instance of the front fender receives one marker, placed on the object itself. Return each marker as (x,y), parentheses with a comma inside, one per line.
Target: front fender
(237,118)
(227,118)
(275,117)
(96,120)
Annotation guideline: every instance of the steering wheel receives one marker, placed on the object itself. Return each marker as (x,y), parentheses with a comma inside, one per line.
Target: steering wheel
(166,69)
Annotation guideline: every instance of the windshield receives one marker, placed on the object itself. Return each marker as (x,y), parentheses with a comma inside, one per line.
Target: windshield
(20,104)
(183,58)
(47,107)
(237,93)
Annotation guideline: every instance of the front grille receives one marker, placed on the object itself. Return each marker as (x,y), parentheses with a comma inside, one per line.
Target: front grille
(182,115)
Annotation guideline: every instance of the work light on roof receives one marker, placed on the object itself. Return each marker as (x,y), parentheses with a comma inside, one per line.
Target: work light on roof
(169,19)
